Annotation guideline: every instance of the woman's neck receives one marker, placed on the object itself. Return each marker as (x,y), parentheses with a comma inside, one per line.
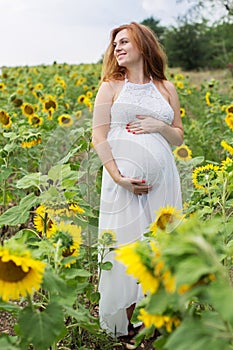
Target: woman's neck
(137,76)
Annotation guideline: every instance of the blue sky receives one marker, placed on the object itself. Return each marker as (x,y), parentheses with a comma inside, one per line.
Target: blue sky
(73,31)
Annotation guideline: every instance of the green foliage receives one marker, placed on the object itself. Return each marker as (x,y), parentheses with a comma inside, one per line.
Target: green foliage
(197,45)
(156,27)
(20,213)
(65,169)
(48,326)
(194,44)
(197,257)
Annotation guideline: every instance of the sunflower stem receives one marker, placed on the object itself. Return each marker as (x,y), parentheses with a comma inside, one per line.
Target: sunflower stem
(54,346)
(30,303)
(88,229)
(4,188)
(56,255)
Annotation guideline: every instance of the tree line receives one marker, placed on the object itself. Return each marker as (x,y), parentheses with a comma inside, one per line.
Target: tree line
(196,45)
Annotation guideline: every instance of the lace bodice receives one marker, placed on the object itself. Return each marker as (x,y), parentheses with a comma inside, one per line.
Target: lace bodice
(140,99)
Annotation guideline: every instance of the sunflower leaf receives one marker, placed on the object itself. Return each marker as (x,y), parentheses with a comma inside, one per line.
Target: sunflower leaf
(32,180)
(8,342)
(69,155)
(48,326)
(19,213)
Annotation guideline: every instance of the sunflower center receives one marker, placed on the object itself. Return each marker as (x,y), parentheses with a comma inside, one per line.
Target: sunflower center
(67,252)
(29,110)
(18,102)
(182,152)
(50,104)
(163,220)
(230,109)
(10,272)
(35,120)
(4,118)
(65,120)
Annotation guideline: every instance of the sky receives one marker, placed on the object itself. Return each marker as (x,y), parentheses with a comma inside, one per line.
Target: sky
(37,32)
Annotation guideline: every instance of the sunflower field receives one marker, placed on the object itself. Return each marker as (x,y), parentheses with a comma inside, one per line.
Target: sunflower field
(50,189)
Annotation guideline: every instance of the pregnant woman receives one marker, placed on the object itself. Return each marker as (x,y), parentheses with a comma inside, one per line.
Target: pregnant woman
(136,118)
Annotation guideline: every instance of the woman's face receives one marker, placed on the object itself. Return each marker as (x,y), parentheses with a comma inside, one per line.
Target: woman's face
(125,51)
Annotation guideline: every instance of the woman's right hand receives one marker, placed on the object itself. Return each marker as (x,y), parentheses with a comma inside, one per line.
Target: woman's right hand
(135,186)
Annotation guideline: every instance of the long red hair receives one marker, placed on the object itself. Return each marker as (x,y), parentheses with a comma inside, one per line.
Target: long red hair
(154,58)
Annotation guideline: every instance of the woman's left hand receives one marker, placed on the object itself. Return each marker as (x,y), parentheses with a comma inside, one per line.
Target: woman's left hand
(145,125)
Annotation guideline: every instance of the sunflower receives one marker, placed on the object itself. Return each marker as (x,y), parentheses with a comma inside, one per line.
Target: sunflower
(107,238)
(211,83)
(158,321)
(169,282)
(80,81)
(82,99)
(43,222)
(49,103)
(2,86)
(50,113)
(182,112)
(165,215)
(78,114)
(75,208)
(89,94)
(223,108)
(20,274)
(227,147)
(70,239)
(183,152)
(17,102)
(62,210)
(57,78)
(31,141)
(229,120)
(179,76)
(35,120)
(229,109)
(20,92)
(227,165)
(5,119)
(131,255)
(180,85)
(63,83)
(65,120)
(202,176)
(149,319)
(208,98)
(89,105)
(27,109)
(38,86)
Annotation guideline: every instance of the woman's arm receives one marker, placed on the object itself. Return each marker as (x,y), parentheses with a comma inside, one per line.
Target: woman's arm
(101,125)
(174,133)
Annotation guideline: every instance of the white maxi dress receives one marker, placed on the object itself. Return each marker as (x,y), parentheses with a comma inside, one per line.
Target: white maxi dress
(144,156)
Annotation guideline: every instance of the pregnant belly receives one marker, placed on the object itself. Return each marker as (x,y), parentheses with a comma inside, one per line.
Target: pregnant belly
(140,156)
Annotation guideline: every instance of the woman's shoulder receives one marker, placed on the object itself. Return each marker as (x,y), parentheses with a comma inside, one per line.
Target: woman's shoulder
(113,83)
(169,86)
(109,89)
(112,87)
